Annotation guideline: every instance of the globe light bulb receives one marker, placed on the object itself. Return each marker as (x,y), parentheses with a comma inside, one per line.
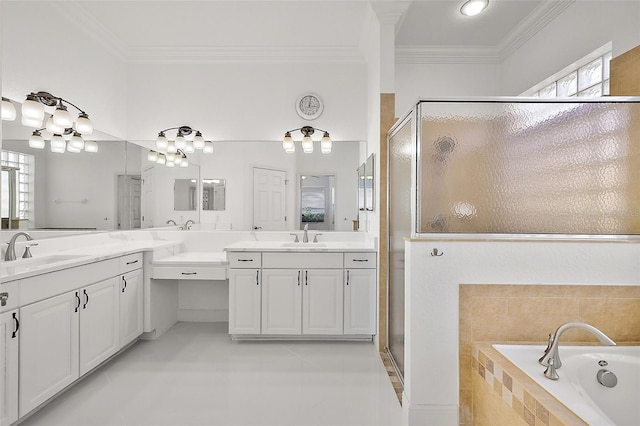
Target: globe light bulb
(32,109)
(161,141)
(307,144)
(36,140)
(91,146)
(62,117)
(8,110)
(83,124)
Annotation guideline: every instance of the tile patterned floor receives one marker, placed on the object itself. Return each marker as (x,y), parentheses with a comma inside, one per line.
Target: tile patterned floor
(195,375)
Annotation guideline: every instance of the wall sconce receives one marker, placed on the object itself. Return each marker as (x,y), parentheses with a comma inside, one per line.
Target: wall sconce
(187,140)
(288,144)
(66,134)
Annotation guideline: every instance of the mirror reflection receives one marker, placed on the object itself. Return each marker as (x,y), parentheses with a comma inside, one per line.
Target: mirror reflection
(184,194)
(361,190)
(369,173)
(213,192)
(317,202)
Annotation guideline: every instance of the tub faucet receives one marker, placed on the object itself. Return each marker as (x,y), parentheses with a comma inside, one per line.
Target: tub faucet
(305,236)
(187,224)
(551,357)
(171,221)
(11,249)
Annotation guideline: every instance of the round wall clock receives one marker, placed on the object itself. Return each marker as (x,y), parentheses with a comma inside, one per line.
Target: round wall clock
(309,106)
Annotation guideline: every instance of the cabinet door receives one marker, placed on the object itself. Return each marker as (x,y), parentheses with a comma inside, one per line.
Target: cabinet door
(130,307)
(244,301)
(281,301)
(322,306)
(9,364)
(49,337)
(360,301)
(99,323)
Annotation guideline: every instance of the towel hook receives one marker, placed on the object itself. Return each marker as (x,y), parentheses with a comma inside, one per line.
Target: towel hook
(435,252)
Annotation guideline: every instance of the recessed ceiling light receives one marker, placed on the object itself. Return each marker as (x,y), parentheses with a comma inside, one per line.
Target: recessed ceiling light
(474,7)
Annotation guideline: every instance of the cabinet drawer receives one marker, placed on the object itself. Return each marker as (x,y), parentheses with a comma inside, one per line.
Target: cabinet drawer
(241,259)
(130,262)
(189,273)
(365,260)
(302,260)
(11,288)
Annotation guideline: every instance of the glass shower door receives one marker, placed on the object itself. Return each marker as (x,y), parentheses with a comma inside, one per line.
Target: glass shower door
(400,146)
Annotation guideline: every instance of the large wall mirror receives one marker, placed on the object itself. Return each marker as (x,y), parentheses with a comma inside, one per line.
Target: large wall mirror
(369,184)
(213,194)
(69,192)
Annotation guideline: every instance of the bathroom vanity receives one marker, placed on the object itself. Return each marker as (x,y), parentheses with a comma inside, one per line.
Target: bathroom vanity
(301,291)
(81,300)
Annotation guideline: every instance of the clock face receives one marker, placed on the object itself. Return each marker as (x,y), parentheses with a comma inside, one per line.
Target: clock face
(309,106)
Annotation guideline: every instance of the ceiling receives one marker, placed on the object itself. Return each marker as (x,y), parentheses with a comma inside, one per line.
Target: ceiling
(235,29)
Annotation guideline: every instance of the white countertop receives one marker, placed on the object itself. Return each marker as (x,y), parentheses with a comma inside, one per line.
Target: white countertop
(331,246)
(45,263)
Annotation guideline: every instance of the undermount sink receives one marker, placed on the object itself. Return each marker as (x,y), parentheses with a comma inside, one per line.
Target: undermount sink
(305,246)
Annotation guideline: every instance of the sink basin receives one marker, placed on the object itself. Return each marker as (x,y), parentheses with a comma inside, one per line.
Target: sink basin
(304,246)
(25,265)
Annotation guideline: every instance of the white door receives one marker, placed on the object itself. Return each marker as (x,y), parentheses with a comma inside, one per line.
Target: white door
(322,301)
(281,301)
(130,307)
(244,301)
(49,338)
(360,301)
(269,196)
(99,323)
(10,323)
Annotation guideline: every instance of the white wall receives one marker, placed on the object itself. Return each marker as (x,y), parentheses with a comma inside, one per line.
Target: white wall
(43,49)
(576,32)
(414,81)
(245,101)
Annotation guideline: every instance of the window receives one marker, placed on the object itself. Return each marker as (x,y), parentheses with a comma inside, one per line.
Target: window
(18,168)
(588,77)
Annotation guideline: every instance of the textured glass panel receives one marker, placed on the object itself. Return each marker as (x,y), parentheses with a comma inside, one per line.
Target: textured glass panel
(592,92)
(401,146)
(568,85)
(533,168)
(590,74)
(548,91)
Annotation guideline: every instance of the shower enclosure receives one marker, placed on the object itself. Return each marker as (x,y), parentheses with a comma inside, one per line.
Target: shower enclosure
(498,166)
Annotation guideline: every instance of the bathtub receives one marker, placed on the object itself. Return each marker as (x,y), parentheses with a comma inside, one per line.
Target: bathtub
(578,388)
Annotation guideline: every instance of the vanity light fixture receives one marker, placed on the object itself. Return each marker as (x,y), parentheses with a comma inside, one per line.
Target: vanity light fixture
(67,135)
(288,144)
(186,141)
(33,112)
(473,7)
(8,110)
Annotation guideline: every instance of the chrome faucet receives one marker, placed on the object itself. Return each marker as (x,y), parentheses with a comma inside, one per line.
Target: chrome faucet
(11,249)
(187,224)
(170,221)
(551,357)
(305,236)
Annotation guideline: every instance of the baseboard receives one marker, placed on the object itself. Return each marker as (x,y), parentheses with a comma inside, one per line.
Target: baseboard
(203,315)
(437,415)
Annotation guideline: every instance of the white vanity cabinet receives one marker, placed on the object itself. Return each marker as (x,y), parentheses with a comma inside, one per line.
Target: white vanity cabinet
(131,314)
(360,293)
(302,293)
(49,348)
(9,332)
(99,323)
(244,292)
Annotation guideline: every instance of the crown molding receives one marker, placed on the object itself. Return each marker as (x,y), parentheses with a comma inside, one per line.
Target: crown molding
(246,54)
(89,25)
(533,23)
(446,55)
